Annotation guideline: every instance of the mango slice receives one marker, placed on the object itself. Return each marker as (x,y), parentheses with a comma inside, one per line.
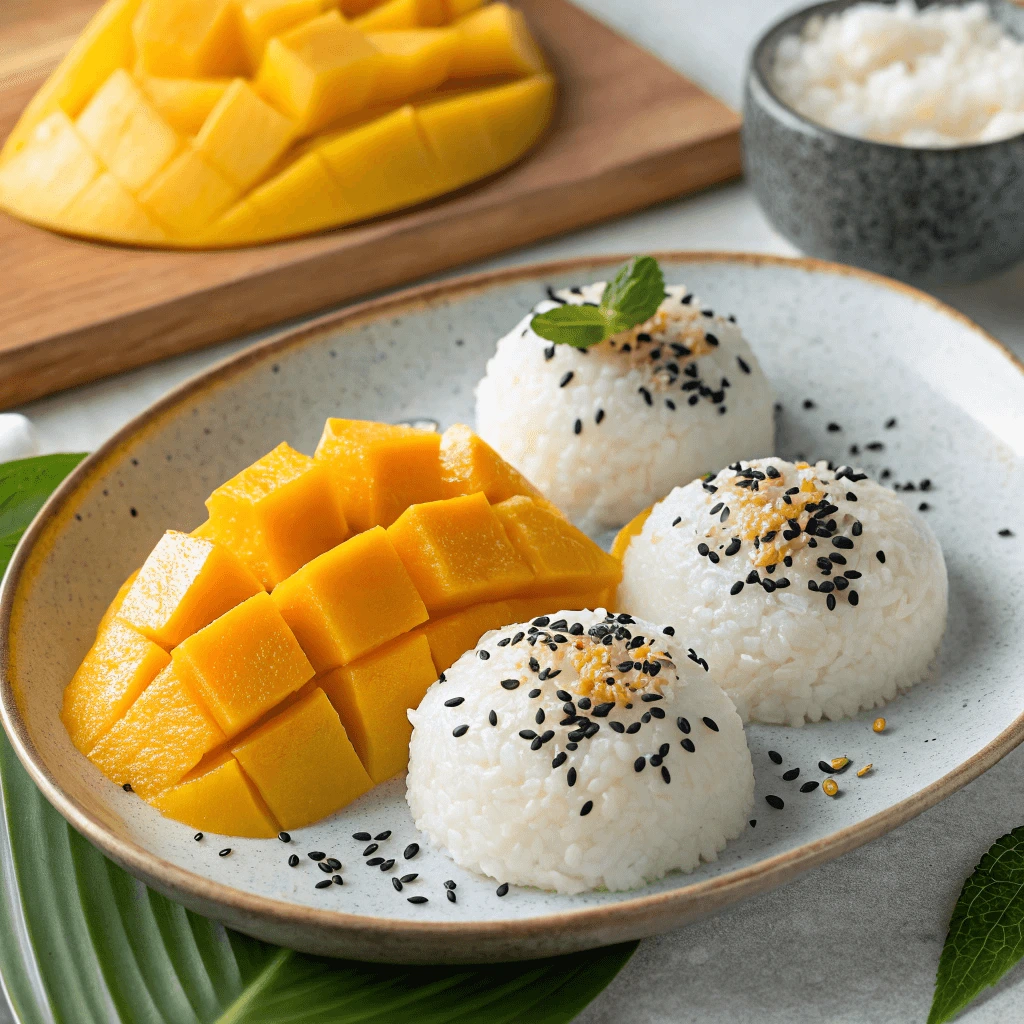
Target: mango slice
(457,553)
(303,763)
(184,584)
(119,666)
(163,735)
(561,557)
(276,515)
(470,464)
(380,469)
(220,799)
(115,606)
(243,663)
(215,123)
(373,696)
(350,600)
(632,529)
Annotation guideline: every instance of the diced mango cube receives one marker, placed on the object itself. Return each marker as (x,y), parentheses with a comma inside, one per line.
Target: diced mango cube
(119,666)
(495,40)
(277,514)
(244,135)
(373,696)
(115,606)
(219,799)
(350,600)
(106,209)
(163,735)
(125,131)
(264,19)
(457,553)
(402,14)
(189,38)
(561,557)
(319,71)
(303,762)
(470,464)
(380,469)
(184,103)
(188,193)
(243,663)
(450,637)
(52,169)
(184,584)
(412,61)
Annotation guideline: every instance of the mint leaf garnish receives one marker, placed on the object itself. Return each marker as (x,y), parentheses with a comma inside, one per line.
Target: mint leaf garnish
(986,932)
(632,297)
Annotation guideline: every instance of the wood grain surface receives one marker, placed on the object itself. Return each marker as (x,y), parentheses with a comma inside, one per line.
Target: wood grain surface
(628,132)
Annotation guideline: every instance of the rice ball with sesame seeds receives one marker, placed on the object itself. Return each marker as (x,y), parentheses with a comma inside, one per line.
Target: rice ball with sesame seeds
(604,432)
(586,751)
(813,592)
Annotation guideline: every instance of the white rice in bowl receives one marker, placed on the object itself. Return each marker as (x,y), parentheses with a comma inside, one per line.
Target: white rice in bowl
(817,594)
(541,759)
(606,431)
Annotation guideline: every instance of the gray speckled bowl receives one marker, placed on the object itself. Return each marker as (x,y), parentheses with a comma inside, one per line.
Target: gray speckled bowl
(922,215)
(864,348)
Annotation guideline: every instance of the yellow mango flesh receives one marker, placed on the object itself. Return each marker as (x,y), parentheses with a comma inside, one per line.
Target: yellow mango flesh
(278,708)
(457,553)
(119,666)
(350,600)
(243,663)
(373,695)
(380,469)
(163,735)
(216,123)
(277,514)
(561,557)
(625,536)
(221,799)
(303,763)
(184,584)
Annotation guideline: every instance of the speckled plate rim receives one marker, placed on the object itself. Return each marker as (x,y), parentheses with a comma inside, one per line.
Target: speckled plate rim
(372,938)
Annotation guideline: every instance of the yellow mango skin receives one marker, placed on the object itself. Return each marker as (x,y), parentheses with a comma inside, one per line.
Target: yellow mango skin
(458,554)
(162,736)
(243,663)
(402,14)
(115,606)
(625,536)
(561,557)
(276,515)
(319,71)
(470,464)
(412,61)
(189,38)
(184,103)
(119,666)
(303,762)
(380,469)
(372,697)
(221,800)
(350,600)
(495,40)
(184,584)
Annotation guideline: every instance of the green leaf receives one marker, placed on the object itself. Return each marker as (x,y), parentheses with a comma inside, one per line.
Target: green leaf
(632,297)
(986,932)
(579,326)
(634,294)
(82,942)
(24,486)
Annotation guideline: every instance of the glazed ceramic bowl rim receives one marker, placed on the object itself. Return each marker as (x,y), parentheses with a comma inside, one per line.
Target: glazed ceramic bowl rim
(791,24)
(629,918)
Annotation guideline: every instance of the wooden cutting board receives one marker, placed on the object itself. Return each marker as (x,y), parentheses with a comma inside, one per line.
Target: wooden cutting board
(628,132)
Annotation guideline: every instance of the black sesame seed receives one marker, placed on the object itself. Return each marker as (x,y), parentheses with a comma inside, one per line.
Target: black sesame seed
(570,777)
(834,428)
(333,863)
(586,808)
(842,542)
(411,877)
(830,602)
(687,745)
(559,759)
(450,895)
(374,861)
(584,702)
(776,757)
(880,555)
(853,597)
(639,764)
(647,698)
(397,883)
(372,848)
(460,730)
(599,415)
(665,775)
(198,837)
(504,641)
(492,717)
(809,787)
(775,801)
(923,507)
(293,860)
(417,899)
(1006,532)
(743,364)
(527,734)
(361,837)
(509,684)
(454,702)
(224,852)
(616,727)
(826,767)
(450,884)
(734,546)
(791,774)
(534,665)
(411,850)
(635,727)
(324,884)
(317,855)
(577,427)
(502,889)
(127,787)
(325,867)
(566,377)
(483,655)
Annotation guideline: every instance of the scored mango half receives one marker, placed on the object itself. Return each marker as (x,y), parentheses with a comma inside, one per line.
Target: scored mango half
(216,123)
(256,674)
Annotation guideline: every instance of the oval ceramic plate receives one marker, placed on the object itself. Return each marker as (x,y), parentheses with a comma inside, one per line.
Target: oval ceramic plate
(863,349)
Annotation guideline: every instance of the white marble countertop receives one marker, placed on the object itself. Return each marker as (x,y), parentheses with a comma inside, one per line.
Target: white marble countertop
(856,941)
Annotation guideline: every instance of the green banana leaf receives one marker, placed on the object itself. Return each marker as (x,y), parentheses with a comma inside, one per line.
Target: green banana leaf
(82,942)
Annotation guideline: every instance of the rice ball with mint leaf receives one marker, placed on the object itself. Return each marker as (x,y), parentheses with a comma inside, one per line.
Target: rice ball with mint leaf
(609,395)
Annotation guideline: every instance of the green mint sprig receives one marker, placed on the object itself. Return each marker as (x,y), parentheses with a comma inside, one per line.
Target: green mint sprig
(632,297)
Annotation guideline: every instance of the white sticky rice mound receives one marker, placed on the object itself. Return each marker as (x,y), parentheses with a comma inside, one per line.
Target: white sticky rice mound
(947,75)
(499,808)
(783,657)
(609,472)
